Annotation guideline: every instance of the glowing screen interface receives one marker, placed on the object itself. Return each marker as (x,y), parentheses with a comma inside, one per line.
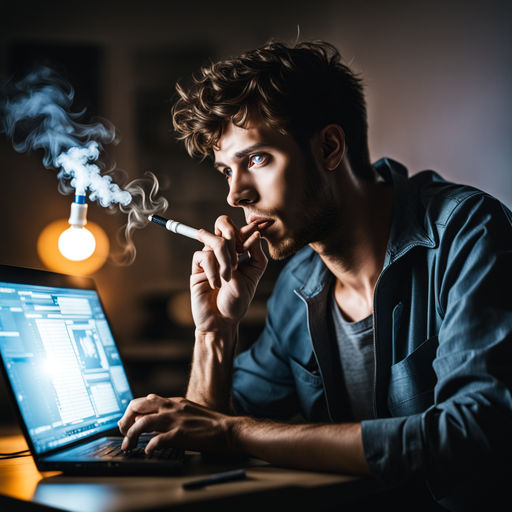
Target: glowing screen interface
(62,362)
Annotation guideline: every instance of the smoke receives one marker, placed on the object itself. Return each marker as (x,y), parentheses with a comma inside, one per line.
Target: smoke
(35,113)
(74,165)
(144,203)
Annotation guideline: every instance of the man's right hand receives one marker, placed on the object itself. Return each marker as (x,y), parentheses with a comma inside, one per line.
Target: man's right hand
(221,286)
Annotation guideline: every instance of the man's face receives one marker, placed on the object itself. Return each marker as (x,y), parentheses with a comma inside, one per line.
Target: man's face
(277,184)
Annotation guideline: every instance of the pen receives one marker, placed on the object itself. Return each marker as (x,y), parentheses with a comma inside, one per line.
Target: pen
(217,478)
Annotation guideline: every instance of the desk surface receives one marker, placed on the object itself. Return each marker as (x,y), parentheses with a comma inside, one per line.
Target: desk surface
(266,488)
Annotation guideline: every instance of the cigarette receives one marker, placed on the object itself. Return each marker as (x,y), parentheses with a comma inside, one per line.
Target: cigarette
(183,229)
(174,226)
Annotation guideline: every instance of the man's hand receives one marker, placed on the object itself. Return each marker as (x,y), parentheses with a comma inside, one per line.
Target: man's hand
(221,286)
(184,424)
(177,422)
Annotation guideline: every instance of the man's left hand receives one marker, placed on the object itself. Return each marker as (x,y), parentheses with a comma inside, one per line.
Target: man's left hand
(177,422)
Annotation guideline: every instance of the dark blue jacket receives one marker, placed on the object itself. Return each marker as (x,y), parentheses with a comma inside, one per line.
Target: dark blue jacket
(443,343)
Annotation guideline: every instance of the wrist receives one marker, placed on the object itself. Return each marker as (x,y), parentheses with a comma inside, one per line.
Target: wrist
(212,363)
(225,335)
(234,428)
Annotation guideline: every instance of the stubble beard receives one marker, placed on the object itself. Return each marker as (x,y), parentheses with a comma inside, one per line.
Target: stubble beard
(318,219)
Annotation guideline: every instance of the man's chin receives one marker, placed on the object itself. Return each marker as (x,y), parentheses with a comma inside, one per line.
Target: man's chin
(284,249)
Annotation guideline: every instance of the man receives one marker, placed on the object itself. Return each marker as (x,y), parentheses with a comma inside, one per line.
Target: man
(389,330)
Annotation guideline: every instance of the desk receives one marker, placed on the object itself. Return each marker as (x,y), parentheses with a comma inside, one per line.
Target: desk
(266,488)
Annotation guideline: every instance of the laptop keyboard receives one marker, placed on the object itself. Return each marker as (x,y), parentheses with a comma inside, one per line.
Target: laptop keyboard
(113,449)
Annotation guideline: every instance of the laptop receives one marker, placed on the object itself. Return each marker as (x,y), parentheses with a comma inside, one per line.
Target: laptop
(65,375)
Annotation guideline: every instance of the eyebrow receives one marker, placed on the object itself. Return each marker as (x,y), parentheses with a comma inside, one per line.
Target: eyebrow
(241,154)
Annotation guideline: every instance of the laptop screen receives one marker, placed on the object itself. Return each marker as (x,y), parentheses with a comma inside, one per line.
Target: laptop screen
(62,362)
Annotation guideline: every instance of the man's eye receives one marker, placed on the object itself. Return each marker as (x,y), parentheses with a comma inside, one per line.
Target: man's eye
(257,160)
(227,172)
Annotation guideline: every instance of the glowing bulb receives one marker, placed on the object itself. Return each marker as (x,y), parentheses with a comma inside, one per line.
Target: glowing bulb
(52,258)
(76,243)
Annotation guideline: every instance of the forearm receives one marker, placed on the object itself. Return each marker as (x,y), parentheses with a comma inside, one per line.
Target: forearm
(324,447)
(212,363)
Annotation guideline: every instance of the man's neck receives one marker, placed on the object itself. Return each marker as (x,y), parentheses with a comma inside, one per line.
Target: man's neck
(358,261)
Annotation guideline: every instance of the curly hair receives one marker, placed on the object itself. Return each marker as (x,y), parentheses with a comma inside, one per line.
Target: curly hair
(296,90)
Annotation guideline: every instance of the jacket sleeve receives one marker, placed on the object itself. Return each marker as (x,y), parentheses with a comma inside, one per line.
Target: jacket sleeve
(263,385)
(462,444)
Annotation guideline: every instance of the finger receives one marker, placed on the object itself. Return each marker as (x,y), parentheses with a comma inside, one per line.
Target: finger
(258,257)
(197,258)
(225,228)
(247,230)
(147,423)
(159,441)
(205,262)
(220,248)
(138,407)
(245,233)
(198,278)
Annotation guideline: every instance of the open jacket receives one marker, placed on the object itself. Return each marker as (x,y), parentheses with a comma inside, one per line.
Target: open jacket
(442,340)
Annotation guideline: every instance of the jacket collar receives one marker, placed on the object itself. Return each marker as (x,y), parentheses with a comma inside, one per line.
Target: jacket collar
(407,228)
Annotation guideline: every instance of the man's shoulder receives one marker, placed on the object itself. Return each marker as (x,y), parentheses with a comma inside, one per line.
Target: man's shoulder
(429,209)
(441,198)
(451,213)
(427,194)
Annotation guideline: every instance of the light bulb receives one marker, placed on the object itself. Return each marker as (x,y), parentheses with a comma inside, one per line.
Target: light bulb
(76,243)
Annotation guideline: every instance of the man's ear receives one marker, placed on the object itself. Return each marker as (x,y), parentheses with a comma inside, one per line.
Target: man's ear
(332,141)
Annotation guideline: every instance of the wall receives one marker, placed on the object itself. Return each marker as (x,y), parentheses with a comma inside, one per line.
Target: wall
(438,77)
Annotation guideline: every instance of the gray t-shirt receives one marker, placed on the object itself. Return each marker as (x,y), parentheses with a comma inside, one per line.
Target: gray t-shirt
(355,344)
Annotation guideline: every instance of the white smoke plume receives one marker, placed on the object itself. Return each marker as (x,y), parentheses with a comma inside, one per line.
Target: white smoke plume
(74,165)
(145,202)
(35,113)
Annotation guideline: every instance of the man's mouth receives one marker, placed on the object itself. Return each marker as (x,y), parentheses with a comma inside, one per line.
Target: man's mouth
(262,223)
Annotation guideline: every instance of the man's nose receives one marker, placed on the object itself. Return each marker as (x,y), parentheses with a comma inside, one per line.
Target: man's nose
(241,191)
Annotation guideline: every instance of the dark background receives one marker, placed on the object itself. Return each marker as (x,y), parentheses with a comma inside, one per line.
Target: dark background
(438,77)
